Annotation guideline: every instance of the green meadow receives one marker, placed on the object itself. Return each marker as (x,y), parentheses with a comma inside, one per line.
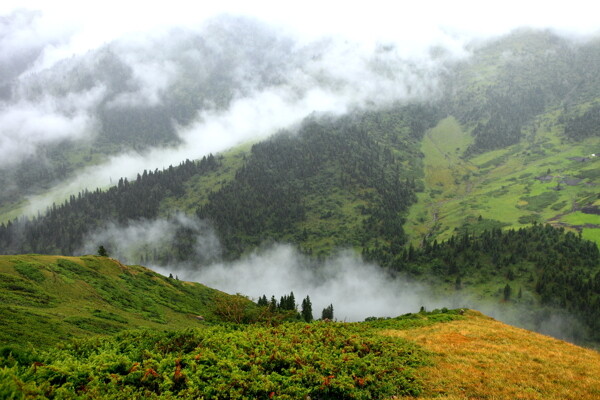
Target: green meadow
(534,181)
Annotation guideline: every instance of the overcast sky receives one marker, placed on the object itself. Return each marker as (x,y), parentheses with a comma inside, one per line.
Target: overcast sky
(412,24)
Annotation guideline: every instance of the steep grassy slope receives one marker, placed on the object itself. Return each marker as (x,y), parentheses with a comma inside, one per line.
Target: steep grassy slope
(540,179)
(479,357)
(47,299)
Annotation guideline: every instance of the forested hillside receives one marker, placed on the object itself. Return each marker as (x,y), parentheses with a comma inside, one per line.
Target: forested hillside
(81,214)
(559,268)
(507,83)
(336,182)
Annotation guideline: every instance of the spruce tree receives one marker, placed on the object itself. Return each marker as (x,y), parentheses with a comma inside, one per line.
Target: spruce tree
(507,292)
(307,310)
(327,312)
(102,251)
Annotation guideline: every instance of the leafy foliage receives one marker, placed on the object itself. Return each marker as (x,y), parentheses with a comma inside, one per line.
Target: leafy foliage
(289,361)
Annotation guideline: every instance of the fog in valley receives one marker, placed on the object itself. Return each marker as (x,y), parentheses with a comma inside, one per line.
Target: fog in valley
(357,289)
(200,81)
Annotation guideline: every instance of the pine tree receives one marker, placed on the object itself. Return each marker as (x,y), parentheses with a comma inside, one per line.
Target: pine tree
(262,301)
(307,310)
(507,292)
(102,251)
(458,283)
(327,312)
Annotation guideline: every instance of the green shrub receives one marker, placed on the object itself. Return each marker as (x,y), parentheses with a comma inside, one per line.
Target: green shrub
(30,271)
(290,361)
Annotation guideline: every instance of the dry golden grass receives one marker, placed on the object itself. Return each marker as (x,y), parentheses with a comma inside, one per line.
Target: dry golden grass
(481,358)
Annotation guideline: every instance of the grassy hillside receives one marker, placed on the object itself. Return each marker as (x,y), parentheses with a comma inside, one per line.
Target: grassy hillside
(443,354)
(541,179)
(478,357)
(45,300)
(516,146)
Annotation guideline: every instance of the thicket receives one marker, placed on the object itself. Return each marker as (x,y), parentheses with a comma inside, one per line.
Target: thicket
(291,361)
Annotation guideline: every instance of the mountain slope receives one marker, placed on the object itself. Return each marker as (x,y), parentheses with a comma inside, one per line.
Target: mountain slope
(454,354)
(337,182)
(48,299)
(518,142)
(479,357)
(510,81)
(543,178)
(131,96)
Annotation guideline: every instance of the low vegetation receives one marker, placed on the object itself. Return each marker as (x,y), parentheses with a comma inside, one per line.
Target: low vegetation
(45,300)
(324,360)
(480,358)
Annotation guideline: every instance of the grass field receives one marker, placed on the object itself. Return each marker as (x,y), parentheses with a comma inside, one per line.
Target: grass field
(480,358)
(533,181)
(59,298)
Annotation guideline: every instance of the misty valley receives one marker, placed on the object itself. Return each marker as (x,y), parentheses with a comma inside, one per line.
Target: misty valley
(232,212)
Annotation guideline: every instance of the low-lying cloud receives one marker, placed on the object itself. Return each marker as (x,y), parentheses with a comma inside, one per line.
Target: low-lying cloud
(27,125)
(134,241)
(330,77)
(357,289)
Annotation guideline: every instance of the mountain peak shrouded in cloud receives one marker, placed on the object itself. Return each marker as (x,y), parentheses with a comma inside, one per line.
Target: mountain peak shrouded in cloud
(147,101)
(202,79)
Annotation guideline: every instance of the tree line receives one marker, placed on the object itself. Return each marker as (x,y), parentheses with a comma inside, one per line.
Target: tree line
(62,228)
(560,267)
(287,303)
